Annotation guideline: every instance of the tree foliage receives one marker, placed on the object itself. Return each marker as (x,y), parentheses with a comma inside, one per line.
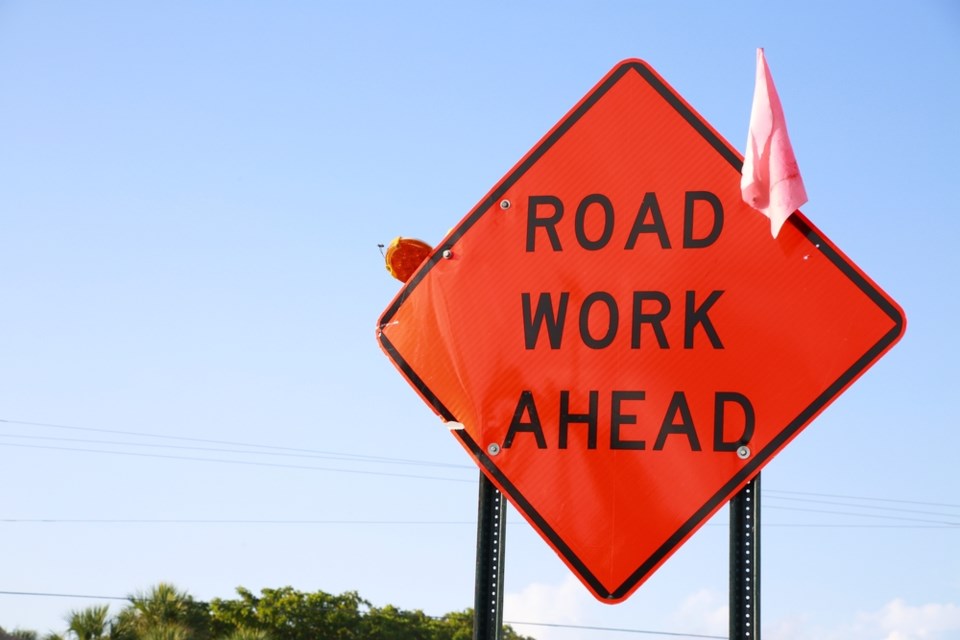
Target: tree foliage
(166,613)
(18,634)
(287,614)
(92,623)
(162,613)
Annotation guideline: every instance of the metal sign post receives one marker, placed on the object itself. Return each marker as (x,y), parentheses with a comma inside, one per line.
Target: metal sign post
(488,592)
(745,562)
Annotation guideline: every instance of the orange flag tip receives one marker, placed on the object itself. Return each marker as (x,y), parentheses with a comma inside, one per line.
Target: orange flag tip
(405,255)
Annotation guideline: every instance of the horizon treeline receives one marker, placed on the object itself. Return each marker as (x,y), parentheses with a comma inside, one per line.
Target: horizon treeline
(164,612)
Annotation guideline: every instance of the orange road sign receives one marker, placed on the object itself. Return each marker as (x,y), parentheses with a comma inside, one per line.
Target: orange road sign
(623,342)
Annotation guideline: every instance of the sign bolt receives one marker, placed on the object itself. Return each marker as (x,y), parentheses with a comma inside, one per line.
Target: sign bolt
(493,448)
(504,204)
(743,452)
(447,254)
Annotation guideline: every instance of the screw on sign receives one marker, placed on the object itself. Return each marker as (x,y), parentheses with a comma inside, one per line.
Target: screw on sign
(623,342)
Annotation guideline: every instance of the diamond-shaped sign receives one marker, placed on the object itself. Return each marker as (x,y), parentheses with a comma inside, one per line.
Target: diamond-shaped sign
(622,340)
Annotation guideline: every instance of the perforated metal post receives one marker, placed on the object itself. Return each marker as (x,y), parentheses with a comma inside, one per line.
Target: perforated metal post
(488,593)
(745,563)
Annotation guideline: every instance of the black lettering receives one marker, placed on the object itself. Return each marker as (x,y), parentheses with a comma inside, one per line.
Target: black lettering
(655,320)
(651,206)
(694,315)
(549,223)
(533,321)
(525,405)
(613,319)
(689,205)
(678,408)
(617,419)
(719,414)
(579,222)
(589,419)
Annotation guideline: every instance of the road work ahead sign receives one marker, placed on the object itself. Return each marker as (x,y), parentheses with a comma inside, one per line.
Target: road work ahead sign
(623,342)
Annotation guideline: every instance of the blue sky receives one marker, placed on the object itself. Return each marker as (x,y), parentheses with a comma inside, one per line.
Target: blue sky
(191,198)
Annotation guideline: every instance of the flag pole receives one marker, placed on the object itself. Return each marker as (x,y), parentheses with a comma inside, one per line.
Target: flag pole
(745,562)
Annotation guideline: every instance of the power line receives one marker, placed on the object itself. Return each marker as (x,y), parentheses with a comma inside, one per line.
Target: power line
(274,450)
(59,595)
(227,521)
(864,515)
(673,634)
(863,506)
(144,434)
(355,458)
(298,522)
(348,457)
(243,462)
(833,495)
(857,526)
(938,523)
(467,480)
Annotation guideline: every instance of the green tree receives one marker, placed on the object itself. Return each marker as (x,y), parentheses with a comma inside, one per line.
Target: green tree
(457,625)
(166,631)
(92,623)
(162,613)
(288,614)
(397,624)
(248,634)
(165,613)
